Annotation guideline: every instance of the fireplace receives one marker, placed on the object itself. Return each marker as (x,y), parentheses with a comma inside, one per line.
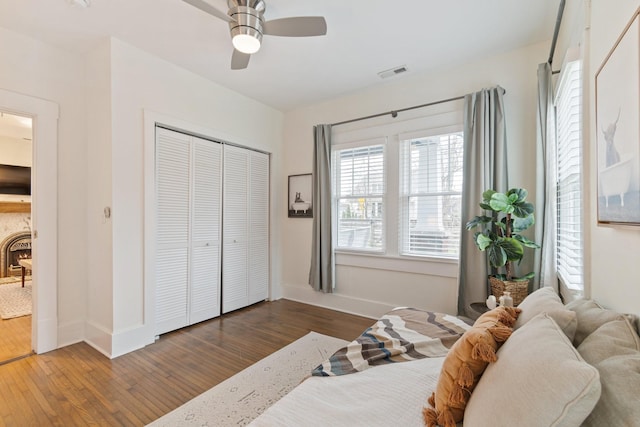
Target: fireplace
(12,249)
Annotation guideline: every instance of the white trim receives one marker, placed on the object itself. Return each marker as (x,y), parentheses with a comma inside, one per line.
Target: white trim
(44,214)
(420,265)
(99,338)
(345,304)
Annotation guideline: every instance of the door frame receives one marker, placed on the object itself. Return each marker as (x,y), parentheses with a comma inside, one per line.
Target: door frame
(44,213)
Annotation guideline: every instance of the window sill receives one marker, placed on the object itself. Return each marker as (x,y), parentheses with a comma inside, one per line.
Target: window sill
(432,266)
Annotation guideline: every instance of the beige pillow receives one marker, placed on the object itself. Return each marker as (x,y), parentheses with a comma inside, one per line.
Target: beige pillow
(590,317)
(614,349)
(546,300)
(539,380)
(615,338)
(618,404)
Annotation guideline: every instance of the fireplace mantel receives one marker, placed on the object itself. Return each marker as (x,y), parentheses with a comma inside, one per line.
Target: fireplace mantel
(15,207)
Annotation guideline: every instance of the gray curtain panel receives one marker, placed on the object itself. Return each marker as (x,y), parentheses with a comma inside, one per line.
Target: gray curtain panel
(544,259)
(322,273)
(485,167)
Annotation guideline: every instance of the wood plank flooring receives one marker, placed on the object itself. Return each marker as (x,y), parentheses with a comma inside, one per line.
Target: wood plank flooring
(15,338)
(78,386)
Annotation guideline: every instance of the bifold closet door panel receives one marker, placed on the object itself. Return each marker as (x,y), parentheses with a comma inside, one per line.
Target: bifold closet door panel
(172,235)
(259,228)
(205,231)
(235,234)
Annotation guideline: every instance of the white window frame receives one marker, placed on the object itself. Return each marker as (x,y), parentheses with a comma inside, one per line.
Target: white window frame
(434,122)
(405,159)
(336,197)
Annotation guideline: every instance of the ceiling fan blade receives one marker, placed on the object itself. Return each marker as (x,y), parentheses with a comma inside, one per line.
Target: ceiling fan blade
(207,8)
(300,26)
(239,60)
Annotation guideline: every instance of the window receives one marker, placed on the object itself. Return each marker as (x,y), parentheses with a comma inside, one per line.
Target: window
(431,188)
(569,233)
(359,195)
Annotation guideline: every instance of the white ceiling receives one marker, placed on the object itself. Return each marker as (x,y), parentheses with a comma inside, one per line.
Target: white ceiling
(15,127)
(363,38)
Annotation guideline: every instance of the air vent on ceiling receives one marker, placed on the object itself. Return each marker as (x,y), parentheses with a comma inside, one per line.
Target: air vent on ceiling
(81,3)
(393,72)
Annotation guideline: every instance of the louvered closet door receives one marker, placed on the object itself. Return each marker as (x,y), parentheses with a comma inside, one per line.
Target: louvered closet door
(259,227)
(205,231)
(172,237)
(235,280)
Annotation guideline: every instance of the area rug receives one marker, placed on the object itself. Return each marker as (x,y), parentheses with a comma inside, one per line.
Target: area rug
(15,301)
(241,398)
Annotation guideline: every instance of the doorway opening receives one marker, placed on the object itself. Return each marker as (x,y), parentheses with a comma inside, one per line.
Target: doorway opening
(16,305)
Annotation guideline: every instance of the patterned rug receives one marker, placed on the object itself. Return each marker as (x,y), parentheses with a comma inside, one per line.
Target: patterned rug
(12,279)
(15,301)
(241,398)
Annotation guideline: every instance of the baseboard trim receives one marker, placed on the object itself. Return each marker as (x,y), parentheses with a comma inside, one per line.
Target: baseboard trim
(338,302)
(131,340)
(70,333)
(98,338)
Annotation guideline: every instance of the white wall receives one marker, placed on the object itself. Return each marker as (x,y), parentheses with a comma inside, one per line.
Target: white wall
(141,82)
(38,70)
(14,151)
(373,292)
(613,256)
(99,321)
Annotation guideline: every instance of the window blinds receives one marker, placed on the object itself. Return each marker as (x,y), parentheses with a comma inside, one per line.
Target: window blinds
(569,181)
(431,188)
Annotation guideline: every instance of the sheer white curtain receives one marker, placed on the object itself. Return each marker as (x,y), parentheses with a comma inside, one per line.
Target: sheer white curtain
(485,167)
(322,272)
(544,259)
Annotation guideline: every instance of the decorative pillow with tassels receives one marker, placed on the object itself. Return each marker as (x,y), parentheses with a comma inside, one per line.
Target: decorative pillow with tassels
(465,363)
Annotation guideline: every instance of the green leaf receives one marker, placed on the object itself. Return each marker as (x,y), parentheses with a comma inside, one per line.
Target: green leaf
(528,276)
(526,242)
(521,194)
(486,196)
(485,206)
(513,198)
(497,256)
(482,241)
(523,210)
(478,220)
(501,203)
(512,247)
(521,224)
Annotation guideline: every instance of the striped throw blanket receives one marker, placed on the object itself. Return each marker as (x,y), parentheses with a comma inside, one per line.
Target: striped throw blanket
(400,335)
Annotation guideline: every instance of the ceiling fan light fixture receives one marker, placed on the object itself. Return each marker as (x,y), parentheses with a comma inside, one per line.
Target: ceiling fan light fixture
(246,43)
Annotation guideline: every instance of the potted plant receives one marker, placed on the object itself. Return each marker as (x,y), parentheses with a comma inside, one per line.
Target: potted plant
(510,215)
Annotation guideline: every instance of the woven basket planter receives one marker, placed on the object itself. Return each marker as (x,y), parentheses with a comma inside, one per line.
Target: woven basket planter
(519,290)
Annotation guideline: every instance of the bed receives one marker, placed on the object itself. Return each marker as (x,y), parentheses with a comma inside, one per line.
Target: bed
(563,365)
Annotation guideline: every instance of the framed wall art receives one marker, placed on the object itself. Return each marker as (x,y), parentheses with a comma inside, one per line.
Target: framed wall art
(300,196)
(618,130)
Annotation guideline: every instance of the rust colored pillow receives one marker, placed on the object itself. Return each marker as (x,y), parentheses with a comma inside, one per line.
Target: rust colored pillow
(465,363)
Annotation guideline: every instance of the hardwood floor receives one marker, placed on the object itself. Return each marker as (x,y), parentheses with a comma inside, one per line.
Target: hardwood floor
(78,386)
(15,338)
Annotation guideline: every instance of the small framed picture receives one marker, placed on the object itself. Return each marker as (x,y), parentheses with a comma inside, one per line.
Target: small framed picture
(300,196)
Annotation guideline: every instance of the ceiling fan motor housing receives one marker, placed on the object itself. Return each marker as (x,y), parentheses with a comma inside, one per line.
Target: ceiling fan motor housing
(248,17)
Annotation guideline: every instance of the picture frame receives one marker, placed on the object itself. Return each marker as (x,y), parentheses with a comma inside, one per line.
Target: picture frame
(617,84)
(300,201)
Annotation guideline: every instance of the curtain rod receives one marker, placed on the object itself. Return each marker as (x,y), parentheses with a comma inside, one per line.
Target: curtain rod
(556,31)
(394,113)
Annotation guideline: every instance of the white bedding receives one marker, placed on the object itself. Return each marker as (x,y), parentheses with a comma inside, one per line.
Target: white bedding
(359,399)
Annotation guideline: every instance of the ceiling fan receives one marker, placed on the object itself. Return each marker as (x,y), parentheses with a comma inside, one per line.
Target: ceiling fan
(247,25)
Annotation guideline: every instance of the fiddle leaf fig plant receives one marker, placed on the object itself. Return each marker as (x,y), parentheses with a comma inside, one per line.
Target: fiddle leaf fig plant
(510,214)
